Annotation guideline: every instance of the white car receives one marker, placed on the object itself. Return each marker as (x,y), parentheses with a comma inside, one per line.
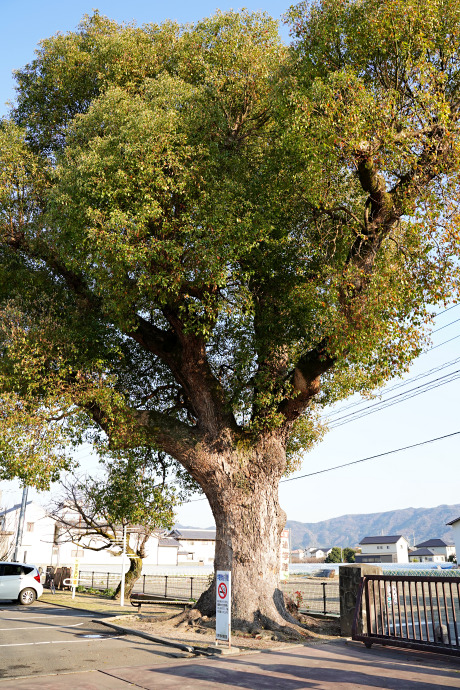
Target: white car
(20,581)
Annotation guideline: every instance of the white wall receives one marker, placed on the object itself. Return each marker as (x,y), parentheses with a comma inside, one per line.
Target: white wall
(456,537)
(201,550)
(399,550)
(38,534)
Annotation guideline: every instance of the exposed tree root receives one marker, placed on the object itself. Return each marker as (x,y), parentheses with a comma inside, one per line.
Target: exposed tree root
(276,626)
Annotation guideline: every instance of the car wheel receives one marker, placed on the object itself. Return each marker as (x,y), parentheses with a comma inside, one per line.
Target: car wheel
(27,596)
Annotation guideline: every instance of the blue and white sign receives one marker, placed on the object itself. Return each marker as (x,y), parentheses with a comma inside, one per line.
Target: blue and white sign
(224,606)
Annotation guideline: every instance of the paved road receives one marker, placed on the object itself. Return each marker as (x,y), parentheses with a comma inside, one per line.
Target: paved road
(40,639)
(333,666)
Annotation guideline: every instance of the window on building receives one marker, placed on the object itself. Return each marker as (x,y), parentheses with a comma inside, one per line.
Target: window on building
(388,547)
(30,527)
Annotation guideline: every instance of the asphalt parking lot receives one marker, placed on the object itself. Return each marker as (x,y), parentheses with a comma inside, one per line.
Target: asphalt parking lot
(41,639)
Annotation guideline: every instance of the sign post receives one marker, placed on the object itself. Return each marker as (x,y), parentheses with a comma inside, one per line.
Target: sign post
(74,578)
(122,592)
(224,606)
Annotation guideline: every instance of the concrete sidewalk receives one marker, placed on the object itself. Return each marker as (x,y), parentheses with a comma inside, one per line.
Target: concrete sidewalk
(336,665)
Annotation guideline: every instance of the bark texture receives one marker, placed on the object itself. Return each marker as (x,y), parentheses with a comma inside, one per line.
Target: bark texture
(131,577)
(243,494)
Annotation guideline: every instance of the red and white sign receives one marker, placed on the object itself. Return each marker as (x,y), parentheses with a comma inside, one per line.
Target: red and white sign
(223,606)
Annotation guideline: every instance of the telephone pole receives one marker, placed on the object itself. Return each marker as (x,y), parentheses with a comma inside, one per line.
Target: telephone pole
(22,516)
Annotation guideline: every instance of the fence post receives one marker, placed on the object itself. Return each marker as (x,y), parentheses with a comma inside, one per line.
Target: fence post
(191,588)
(324,597)
(143,584)
(166,586)
(349,583)
(92,579)
(108,575)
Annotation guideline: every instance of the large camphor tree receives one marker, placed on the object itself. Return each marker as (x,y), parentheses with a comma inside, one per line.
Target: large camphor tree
(206,236)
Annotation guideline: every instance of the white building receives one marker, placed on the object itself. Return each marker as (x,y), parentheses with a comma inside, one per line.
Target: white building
(455,524)
(198,546)
(318,552)
(37,536)
(438,547)
(42,544)
(425,556)
(383,549)
(297,555)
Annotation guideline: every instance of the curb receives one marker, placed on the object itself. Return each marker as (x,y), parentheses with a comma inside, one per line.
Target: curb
(153,638)
(77,608)
(203,651)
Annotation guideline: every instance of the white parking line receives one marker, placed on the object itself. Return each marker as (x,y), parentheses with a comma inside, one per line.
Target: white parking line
(30,644)
(39,627)
(44,615)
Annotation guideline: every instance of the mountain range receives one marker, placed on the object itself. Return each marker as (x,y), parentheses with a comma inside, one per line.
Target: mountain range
(416,524)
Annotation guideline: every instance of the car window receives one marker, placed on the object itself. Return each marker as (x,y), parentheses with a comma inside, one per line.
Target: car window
(12,569)
(26,569)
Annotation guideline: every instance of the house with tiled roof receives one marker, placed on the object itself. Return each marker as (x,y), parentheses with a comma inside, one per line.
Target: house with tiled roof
(455,524)
(424,555)
(197,545)
(392,548)
(438,547)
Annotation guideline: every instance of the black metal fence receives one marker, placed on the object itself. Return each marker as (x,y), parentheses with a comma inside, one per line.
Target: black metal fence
(410,611)
(310,595)
(314,596)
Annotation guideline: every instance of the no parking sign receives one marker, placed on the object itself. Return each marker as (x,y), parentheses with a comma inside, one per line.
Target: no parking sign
(223,606)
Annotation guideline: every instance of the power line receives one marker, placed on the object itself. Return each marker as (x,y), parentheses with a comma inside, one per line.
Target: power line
(399,397)
(400,384)
(356,462)
(373,457)
(436,330)
(407,396)
(444,343)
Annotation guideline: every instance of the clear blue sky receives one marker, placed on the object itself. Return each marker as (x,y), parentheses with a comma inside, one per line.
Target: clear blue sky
(425,476)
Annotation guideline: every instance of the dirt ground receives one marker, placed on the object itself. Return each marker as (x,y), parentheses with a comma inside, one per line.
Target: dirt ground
(201,631)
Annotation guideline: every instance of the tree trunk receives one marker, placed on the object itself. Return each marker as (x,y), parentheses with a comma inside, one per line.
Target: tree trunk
(131,577)
(249,520)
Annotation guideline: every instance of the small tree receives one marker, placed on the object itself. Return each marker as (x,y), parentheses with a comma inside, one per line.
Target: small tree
(335,556)
(348,555)
(93,512)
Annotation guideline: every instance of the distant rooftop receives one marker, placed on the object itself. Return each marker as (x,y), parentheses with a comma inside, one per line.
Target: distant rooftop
(421,552)
(388,539)
(195,534)
(168,541)
(452,522)
(432,542)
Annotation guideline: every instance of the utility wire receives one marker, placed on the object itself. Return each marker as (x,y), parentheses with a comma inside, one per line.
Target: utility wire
(400,384)
(436,330)
(373,457)
(356,462)
(400,397)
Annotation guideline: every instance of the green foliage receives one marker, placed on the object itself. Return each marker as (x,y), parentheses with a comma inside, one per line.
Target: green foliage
(335,556)
(132,491)
(348,555)
(196,218)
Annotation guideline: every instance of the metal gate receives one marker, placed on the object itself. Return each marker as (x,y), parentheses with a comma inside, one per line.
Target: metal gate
(409,611)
